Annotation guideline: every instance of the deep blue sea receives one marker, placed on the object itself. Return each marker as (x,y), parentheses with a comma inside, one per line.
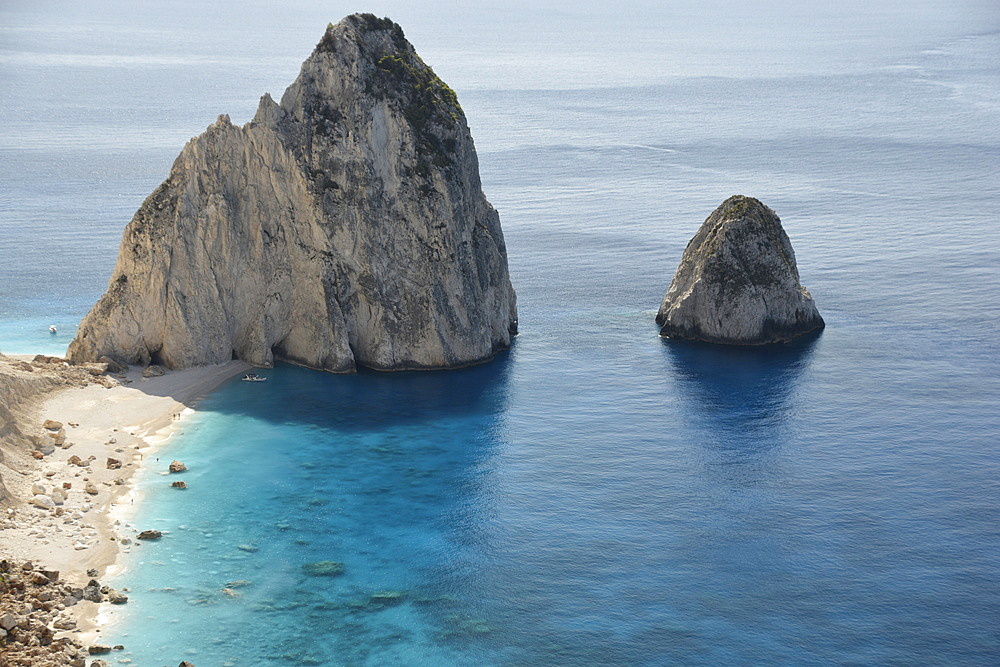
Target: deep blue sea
(596,495)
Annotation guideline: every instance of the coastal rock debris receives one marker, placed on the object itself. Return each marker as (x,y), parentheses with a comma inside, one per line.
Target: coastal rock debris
(738,282)
(177,466)
(29,617)
(344,226)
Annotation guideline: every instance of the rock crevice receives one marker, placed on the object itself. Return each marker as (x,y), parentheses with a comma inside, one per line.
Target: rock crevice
(344,226)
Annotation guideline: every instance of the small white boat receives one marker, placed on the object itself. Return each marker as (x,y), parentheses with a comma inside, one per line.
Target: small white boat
(250,377)
(52,328)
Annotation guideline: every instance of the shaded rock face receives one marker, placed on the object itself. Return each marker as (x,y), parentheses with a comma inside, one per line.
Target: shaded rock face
(344,226)
(737,282)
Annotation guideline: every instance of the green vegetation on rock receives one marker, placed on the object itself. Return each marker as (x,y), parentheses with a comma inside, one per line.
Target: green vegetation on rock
(428,87)
(429,101)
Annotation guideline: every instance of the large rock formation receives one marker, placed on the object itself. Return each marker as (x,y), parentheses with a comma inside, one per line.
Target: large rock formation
(344,226)
(737,282)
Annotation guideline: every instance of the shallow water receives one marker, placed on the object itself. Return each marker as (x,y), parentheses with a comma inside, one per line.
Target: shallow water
(596,495)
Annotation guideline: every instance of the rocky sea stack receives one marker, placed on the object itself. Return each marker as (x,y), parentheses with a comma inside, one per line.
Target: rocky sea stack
(737,282)
(344,226)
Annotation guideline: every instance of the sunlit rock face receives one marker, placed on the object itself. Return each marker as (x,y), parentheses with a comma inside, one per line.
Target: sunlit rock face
(344,226)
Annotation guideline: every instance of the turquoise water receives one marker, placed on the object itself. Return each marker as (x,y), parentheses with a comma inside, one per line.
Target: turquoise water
(595,496)
(662,504)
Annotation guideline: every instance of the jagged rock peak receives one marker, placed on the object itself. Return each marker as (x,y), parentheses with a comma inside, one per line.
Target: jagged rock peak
(344,226)
(738,282)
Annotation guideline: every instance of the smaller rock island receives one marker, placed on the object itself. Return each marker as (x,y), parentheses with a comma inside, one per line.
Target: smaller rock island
(738,283)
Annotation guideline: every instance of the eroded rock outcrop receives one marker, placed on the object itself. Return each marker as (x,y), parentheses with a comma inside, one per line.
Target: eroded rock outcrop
(344,226)
(21,385)
(737,282)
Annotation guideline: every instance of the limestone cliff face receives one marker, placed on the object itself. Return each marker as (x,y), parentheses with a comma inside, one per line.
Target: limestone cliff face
(344,226)
(737,282)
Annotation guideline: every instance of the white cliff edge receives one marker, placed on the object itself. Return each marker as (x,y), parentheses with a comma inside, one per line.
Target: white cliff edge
(344,227)
(738,282)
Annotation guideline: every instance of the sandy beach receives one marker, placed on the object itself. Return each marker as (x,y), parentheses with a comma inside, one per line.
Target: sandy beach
(110,433)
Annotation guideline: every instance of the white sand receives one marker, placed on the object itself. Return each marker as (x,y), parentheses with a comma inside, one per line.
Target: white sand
(125,423)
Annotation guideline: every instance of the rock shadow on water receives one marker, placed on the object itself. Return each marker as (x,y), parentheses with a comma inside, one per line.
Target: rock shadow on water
(369,400)
(745,389)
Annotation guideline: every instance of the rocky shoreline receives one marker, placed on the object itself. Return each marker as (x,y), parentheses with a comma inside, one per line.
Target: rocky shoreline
(35,607)
(71,439)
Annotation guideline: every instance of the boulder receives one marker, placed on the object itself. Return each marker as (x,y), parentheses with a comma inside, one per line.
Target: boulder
(93,593)
(112,365)
(95,369)
(44,502)
(46,359)
(52,425)
(152,371)
(177,466)
(90,488)
(149,535)
(179,485)
(113,464)
(44,446)
(738,282)
(115,597)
